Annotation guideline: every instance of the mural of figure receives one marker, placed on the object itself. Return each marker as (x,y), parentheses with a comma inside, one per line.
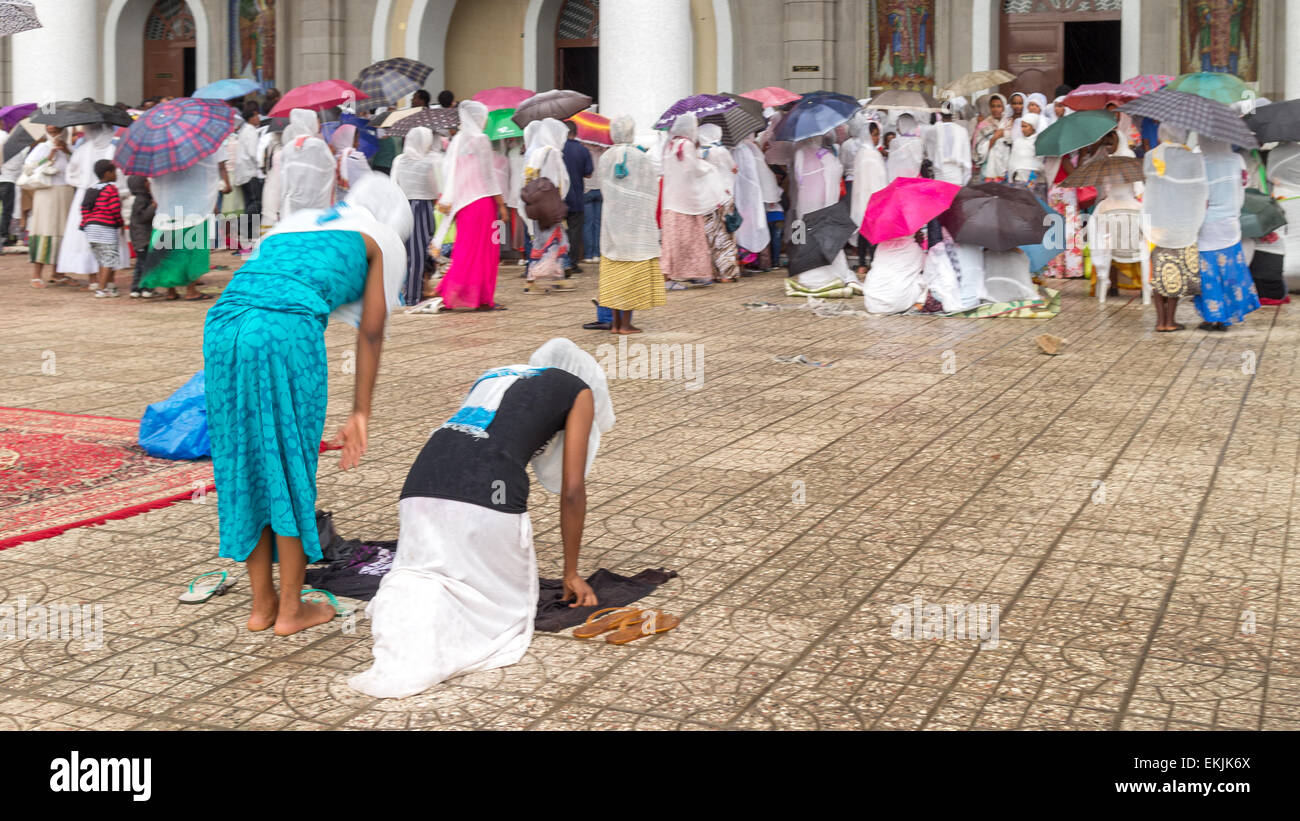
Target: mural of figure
(901,46)
(1218,37)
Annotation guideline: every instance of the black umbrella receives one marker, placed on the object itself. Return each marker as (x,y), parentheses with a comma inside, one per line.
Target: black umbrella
(737,123)
(1276,123)
(275,125)
(18,139)
(997,216)
(825,233)
(1260,214)
(68,113)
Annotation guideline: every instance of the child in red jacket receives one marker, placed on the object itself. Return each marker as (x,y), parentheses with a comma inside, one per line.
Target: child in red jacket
(101,220)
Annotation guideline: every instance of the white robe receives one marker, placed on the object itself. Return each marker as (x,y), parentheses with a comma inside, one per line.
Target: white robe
(818,173)
(895,283)
(74,249)
(461,597)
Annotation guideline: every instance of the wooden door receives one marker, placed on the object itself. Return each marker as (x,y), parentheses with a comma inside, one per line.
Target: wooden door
(1034,52)
(164,67)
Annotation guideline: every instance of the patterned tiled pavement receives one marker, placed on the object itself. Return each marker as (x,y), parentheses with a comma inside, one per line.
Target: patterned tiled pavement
(1126,505)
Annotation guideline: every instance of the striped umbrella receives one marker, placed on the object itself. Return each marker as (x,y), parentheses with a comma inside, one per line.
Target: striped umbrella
(174,136)
(1103,170)
(737,123)
(387,81)
(1094,96)
(592,127)
(1148,83)
(701,105)
(1192,111)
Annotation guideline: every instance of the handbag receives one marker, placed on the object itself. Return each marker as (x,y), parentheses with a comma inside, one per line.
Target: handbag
(733,220)
(543,203)
(35,180)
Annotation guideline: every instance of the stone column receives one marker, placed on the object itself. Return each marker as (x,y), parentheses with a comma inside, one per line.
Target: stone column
(983,22)
(646,57)
(320,43)
(59,61)
(1130,39)
(809,45)
(1292,52)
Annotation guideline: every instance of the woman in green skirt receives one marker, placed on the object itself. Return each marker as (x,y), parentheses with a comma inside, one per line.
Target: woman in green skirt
(178,247)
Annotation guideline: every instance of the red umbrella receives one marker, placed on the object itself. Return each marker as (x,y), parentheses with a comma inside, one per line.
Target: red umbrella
(592,127)
(1095,96)
(318,96)
(772,96)
(503,97)
(903,207)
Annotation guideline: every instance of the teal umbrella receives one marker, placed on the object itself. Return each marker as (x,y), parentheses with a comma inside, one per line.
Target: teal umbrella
(1217,86)
(1074,131)
(1260,214)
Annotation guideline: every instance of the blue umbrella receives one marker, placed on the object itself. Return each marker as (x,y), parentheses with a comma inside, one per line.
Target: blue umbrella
(813,116)
(227,89)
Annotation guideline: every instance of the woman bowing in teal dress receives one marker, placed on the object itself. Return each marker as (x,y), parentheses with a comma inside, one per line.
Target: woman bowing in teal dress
(267,382)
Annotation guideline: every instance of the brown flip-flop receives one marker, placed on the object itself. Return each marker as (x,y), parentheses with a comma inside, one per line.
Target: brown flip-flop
(618,617)
(649,623)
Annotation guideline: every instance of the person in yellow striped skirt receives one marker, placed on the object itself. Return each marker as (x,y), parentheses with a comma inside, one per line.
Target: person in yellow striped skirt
(630,279)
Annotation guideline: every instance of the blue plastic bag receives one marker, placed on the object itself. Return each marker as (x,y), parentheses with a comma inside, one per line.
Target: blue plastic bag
(177,427)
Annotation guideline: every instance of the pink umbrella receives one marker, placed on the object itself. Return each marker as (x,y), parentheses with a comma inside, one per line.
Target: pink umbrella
(772,96)
(1095,96)
(903,207)
(317,96)
(503,97)
(1148,83)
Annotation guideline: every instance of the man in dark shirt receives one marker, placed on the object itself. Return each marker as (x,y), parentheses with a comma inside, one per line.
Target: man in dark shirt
(577,161)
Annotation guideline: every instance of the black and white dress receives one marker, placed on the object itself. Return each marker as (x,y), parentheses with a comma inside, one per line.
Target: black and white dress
(462,592)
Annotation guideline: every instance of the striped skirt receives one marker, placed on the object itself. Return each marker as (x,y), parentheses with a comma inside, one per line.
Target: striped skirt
(631,286)
(722,245)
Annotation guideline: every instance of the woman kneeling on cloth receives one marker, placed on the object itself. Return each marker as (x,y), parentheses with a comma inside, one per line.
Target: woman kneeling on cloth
(462,593)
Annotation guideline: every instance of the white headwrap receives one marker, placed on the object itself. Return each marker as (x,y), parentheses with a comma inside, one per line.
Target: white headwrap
(629,184)
(468,171)
(416,169)
(691,183)
(563,354)
(377,208)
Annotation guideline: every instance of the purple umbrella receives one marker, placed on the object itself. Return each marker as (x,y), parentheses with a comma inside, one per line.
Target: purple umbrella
(174,136)
(701,105)
(11,114)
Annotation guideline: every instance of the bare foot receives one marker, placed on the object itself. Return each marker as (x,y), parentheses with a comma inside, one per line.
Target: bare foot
(309,614)
(263,618)
(628,330)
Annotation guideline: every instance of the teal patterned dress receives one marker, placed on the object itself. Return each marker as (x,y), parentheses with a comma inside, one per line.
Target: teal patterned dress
(267,382)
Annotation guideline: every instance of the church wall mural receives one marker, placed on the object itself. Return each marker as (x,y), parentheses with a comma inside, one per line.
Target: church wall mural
(902,44)
(1221,36)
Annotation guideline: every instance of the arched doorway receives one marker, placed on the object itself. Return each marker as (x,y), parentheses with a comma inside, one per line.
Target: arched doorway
(577,47)
(170,50)
(1049,42)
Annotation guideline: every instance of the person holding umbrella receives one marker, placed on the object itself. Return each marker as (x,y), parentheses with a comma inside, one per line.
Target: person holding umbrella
(1227,292)
(1174,204)
(691,191)
(45,173)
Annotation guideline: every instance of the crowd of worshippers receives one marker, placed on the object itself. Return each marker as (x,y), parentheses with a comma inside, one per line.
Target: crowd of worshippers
(659,210)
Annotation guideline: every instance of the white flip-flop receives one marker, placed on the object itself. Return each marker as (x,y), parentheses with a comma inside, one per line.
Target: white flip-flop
(198,593)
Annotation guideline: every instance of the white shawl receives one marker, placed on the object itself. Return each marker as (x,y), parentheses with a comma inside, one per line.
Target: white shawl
(756,186)
(691,183)
(629,183)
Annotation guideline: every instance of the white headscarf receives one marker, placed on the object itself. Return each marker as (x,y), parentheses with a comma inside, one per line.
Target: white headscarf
(870,175)
(1224,175)
(468,171)
(907,150)
(1177,191)
(377,208)
(817,174)
(417,168)
(720,158)
(544,152)
(691,184)
(565,355)
(629,184)
(303,122)
(951,158)
(756,187)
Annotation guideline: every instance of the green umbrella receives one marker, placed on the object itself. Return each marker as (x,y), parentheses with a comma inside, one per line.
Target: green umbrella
(1074,131)
(500,126)
(1260,214)
(1217,86)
